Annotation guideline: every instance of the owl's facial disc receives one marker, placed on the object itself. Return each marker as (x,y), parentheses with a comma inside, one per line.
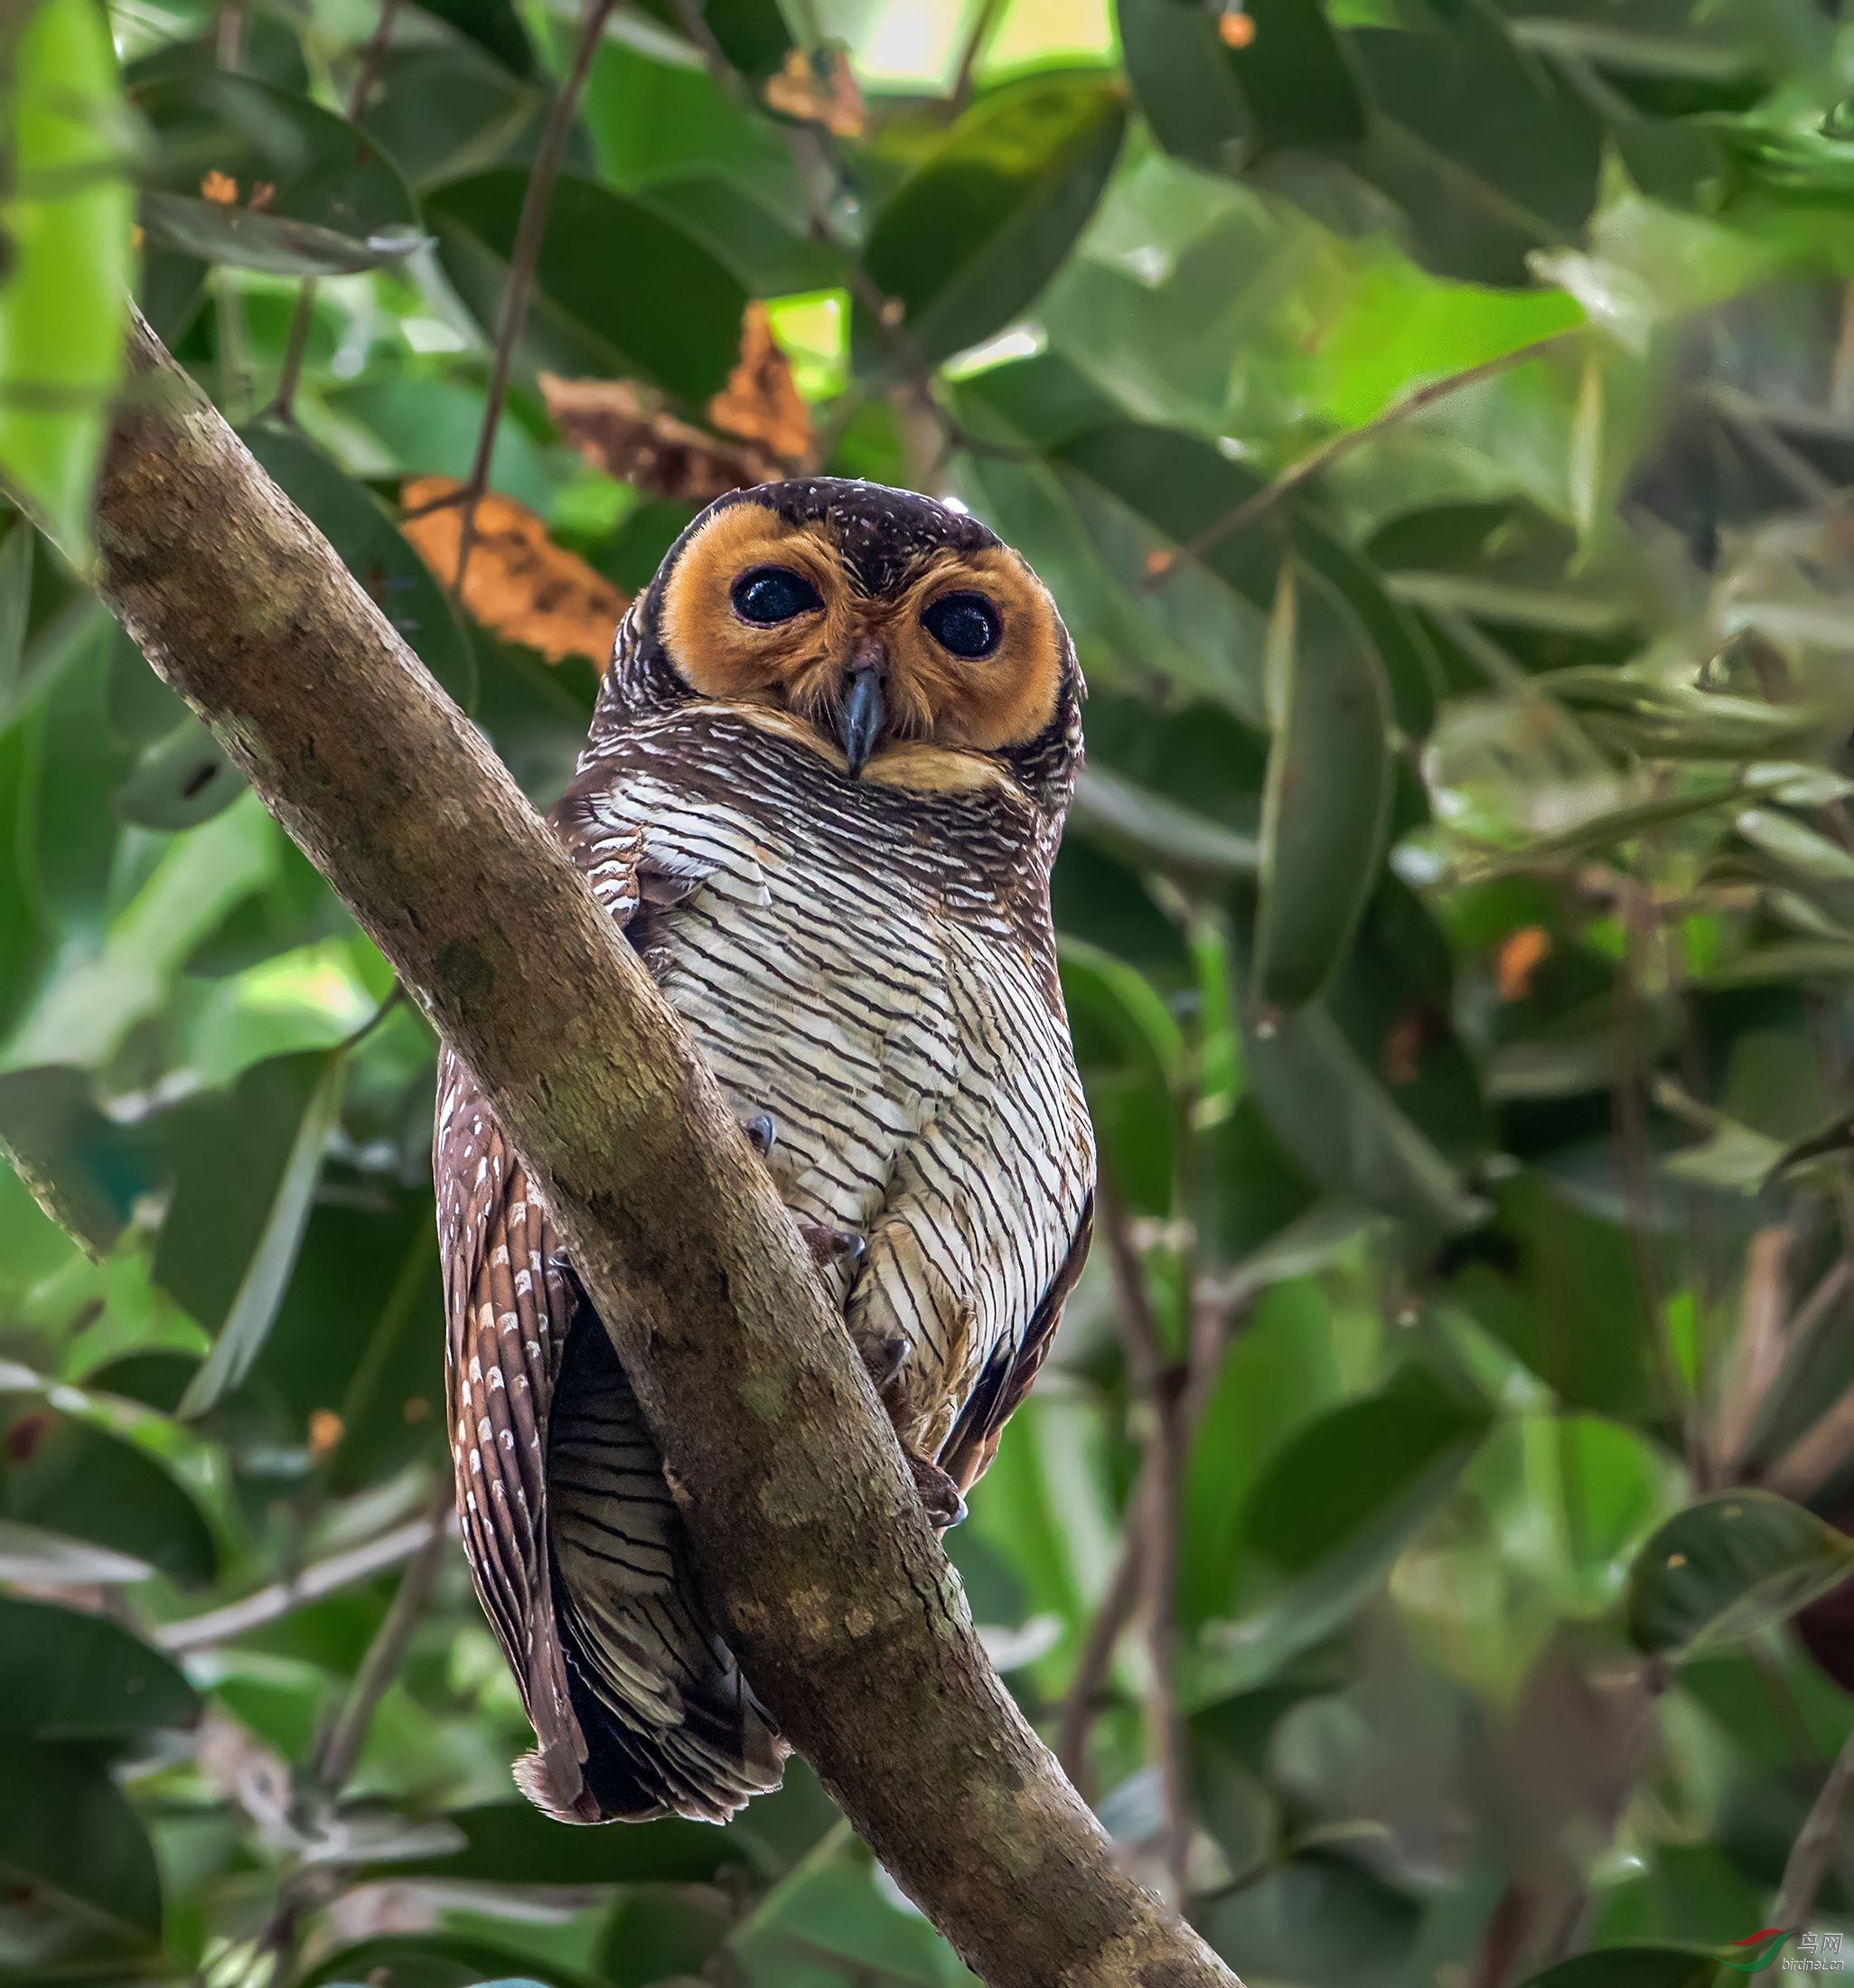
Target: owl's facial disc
(963,654)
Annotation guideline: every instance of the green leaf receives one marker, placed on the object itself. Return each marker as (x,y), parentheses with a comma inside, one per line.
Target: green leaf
(493,26)
(375,552)
(64,219)
(335,201)
(66,1475)
(968,239)
(1325,1518)
(1343,1128)
(512,1842)
(1730,1567)
(1328,793)
(183,780)
(31,1555)
(620,291)
(438,1959)
(73,1846)
(86,1172)
(1634,1967)
(1292,86)
(15,601)
(65,1674)
(289,1193)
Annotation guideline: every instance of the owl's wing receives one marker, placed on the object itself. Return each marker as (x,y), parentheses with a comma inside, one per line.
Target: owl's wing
(1012,1371)
(571,1533)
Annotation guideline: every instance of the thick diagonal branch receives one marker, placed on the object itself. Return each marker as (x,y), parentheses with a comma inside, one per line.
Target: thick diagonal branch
(838,1598)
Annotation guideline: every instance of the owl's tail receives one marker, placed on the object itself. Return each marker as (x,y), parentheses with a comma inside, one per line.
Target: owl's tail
(666,1722)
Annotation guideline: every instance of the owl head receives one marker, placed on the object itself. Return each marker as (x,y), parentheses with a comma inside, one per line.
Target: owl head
(899,640)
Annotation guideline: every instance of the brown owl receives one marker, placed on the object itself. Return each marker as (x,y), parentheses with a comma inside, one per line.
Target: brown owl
(824,785)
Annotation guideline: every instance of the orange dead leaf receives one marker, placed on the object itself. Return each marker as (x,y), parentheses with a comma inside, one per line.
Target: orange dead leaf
(1158,562)
(629,434)
(219,188)
(1236,29)
(520,584)
(1521,955)
(819,89)
(760,402)
(326,1430)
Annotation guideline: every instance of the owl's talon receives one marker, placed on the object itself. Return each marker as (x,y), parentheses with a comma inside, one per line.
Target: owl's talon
(884,1359)
(761,1133)
(828,1246)
(941,1499)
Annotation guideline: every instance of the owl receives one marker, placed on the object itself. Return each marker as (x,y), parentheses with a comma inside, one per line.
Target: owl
(823,788)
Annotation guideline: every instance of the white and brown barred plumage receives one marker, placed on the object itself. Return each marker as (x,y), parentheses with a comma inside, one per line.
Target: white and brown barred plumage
(828,835)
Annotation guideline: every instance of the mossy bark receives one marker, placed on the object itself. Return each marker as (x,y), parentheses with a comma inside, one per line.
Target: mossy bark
(838,1599)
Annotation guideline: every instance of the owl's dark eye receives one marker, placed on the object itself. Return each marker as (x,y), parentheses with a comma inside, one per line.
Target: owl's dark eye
(773,594)
(966,623)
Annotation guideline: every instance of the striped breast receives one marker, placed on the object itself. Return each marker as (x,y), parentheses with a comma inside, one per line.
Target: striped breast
(873,969)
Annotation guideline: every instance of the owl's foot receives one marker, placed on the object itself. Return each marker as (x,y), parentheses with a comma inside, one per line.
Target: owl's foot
(941,1499)
(884,1358)
(761,1133)
(828,1246)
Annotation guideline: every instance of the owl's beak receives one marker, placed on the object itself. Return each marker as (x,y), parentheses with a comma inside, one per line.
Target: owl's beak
(859,712)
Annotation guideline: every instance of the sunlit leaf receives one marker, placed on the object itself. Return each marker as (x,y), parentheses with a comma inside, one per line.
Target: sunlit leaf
(65,219)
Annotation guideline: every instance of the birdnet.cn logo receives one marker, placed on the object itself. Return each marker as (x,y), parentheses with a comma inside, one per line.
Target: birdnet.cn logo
(1815,1954)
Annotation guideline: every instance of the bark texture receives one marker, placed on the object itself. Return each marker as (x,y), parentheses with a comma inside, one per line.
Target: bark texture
(839,1602)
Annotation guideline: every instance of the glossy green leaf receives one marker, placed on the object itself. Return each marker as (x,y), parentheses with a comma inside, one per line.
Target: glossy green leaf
(334,202)
(494,25)
(969,239)
(289,1193)
(1328,792)
(63,1474)
(31,1555)
(182,780)
(73,1847)
(1729,1567)
(1633,1966)
(68,1675)
(621,291)
(65,215)
(1291,86)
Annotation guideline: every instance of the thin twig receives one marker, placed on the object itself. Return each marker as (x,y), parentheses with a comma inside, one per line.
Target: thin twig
(530,231)
(1815,1848)
(387,1651)
(1112,1616)
(365,77)
(324,1577)
(1336,446)
(983,23)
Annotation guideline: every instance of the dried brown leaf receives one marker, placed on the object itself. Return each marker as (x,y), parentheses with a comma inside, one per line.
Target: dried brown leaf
(819,90)
(627,433)
(219,188)
(518,584)
(760,402)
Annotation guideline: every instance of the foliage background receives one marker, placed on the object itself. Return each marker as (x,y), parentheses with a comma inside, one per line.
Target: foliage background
(1435,422)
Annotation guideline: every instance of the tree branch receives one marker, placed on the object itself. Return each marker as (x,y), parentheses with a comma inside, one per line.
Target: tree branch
(838,1598)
